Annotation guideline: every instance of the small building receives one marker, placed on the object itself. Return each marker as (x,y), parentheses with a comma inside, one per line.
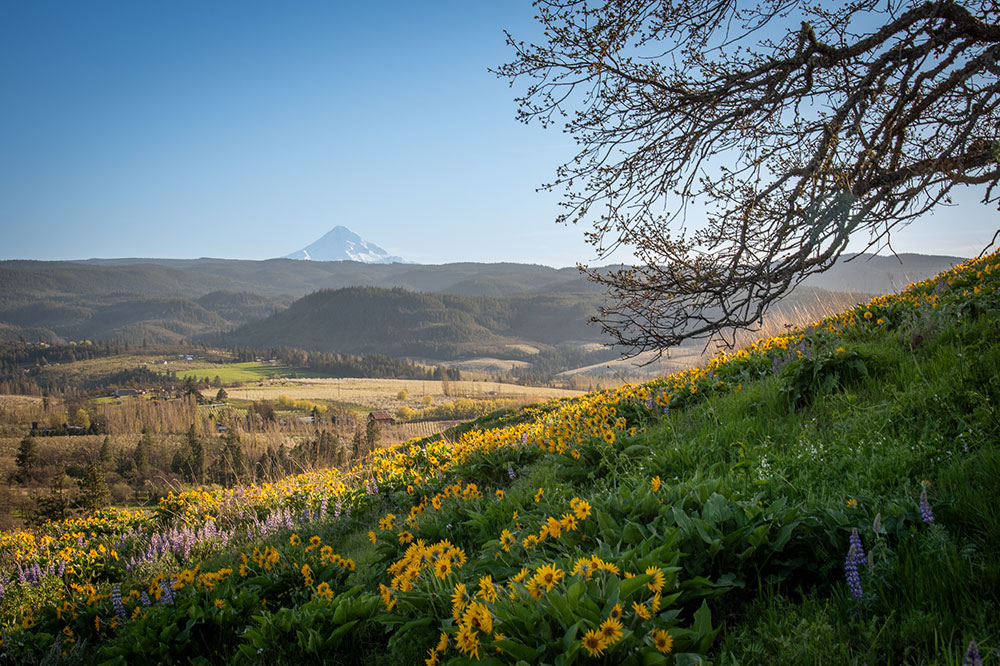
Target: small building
(381,417)
(121,393)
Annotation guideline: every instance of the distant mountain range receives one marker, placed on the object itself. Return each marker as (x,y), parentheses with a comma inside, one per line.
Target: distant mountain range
(342,244)
(445,312)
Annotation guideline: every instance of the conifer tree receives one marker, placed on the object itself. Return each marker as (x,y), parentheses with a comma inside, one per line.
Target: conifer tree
(94,493)
(105,455)
(55,505)
(27,458)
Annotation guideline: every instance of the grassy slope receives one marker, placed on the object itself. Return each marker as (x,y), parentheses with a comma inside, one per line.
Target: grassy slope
(244,372)
(768,460)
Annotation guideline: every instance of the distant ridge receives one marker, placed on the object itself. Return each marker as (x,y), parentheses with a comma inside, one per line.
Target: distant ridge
(342,244)
(165,300)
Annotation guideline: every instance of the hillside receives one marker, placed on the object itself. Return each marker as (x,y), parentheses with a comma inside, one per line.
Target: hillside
(826,496)
(72,300)
(359,320)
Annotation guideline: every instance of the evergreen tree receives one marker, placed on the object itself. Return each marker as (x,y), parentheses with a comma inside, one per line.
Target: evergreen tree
(190,462)
(142,454)
(27,458)
(105,455)
(94,493)
(55,505)
(232,466)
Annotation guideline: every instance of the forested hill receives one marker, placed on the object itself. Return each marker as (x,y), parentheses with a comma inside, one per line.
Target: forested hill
(169,300)
(360,320)
(277,277)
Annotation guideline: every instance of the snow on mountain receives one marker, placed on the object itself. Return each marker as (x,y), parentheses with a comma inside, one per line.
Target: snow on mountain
(342,244)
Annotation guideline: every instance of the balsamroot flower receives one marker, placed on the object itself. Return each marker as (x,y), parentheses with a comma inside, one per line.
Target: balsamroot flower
(594,643)
(663,641)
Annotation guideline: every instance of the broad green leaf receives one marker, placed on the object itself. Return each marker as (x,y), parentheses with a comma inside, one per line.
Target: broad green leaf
(518,650)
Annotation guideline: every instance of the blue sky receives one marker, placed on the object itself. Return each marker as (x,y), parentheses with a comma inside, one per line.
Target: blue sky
(247,130)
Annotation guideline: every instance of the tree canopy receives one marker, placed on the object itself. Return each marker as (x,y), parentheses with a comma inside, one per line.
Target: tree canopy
(791,126)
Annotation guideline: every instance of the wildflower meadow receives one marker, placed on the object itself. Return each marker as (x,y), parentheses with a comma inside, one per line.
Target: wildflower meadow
(827,496)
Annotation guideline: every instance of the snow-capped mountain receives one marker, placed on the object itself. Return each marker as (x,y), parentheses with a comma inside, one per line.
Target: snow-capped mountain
(342,244)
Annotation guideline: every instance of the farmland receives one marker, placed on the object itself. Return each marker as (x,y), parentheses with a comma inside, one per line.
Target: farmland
(234,373)
(383,393)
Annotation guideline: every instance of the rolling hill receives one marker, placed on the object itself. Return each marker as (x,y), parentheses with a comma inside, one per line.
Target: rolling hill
(359,320)
(168,300)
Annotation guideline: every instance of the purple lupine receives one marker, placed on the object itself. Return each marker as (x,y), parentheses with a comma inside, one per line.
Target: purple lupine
(852,575)
(774,364)
(855,556)
(972,657)
(62,568)
(925,508)
(3,584)
(116,600)
(336,509)
(168,590)
(322,508)
(510,472)
(144,599)
(855,543)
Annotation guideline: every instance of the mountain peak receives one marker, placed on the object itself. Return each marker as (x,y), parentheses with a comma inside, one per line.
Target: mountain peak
(342,244)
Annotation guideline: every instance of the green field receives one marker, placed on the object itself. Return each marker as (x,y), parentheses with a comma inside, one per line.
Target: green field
(244,372)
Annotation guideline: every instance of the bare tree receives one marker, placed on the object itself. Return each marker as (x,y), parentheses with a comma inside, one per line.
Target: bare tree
(793,125)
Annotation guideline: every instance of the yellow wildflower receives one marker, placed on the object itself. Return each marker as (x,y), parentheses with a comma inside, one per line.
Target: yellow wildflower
(593,643)
(663,641)
(611,631)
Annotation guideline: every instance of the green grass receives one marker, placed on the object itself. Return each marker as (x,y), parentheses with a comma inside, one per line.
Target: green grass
(233,373)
